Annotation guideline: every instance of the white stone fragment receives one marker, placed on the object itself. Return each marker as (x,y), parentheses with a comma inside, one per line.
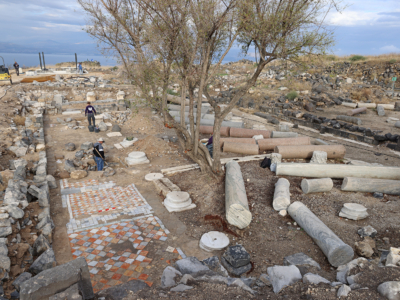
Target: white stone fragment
(281,195)
(153,176)
(319,157)
(393,258)
(353,211)
(213,241)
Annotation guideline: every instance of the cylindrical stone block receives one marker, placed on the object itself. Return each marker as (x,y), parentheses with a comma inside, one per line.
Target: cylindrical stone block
(348,104)
(210,129)
(282,134)
(356,111)
(397,124)
(306,151)
(249,149)
(316,185)
(367,105)
(281,195)
(367,185)
(348,119)
(270,144)
(249,133)
(386,106)
(337,171)
(223,124)
(337,252)
(237,140)
(236,203)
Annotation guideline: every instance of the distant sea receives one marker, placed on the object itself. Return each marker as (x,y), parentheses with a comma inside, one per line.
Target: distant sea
(32,60)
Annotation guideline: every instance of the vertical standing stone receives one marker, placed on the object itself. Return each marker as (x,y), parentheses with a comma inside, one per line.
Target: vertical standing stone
(236,204)
(276,158)
(337,252)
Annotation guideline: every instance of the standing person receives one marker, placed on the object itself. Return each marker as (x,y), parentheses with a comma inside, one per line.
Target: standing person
(210,146)
(98,152)
(16,67)
(80,68)
(90,112)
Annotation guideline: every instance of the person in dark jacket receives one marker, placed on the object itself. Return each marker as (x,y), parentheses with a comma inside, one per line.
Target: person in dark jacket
(16,67)
(90,112)
(210,146)
(98,152)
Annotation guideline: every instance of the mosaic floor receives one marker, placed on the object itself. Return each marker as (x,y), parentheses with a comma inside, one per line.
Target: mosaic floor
(105,200)
(116,251)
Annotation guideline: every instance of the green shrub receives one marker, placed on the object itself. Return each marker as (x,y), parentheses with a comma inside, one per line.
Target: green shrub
(114,68)
(331,57)
(392,61)
(171,92)
(292,95)
(357,58)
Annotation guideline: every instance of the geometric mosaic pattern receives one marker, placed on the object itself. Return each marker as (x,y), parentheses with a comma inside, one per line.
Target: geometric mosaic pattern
(109,267)
(65,184)
(99,201)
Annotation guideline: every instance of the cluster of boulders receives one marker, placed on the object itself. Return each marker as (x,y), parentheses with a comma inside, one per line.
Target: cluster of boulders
(83,162)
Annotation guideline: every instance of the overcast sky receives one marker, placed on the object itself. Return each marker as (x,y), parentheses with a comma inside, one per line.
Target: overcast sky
(365,27)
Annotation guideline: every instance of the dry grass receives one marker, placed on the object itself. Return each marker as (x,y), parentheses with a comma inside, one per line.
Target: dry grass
(18,120)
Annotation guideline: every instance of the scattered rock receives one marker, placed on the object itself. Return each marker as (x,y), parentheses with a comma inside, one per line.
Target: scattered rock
(300,259)
(319,157)
(367,231)
(69,165)
(79,154)
(215,265)
(390,290)
(46,260)
(86,146)
(181,288)
(108,171)
(40,245)
(168,277)
(343,291)
(393,258)
(78,174)
(102,126)
(64,175)
(70,147)
(314,279)
(192,266)
(20,279)
(282,276)
(116,128)
(364,249)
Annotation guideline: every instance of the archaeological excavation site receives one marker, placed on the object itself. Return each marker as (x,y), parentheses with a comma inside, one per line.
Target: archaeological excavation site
(305,205)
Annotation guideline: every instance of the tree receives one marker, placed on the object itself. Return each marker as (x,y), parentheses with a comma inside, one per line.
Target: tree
(188,36)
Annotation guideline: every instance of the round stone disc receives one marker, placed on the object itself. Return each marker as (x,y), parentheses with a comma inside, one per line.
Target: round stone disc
(153,176)
(214,240)
(137,154)
(178,197)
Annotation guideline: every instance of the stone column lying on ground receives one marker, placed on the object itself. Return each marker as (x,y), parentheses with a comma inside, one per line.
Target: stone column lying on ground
(210,129)
(306,151)
(280,134)
(348,119)
(236,204)
(237,140)
(367,105)
(270,144)
(249,149)
(249,133)
(348,104)
(316,185)
(281,195)
(386,106)
(337,252)
(356,111)
(276,158)
(337,171)
(367,185)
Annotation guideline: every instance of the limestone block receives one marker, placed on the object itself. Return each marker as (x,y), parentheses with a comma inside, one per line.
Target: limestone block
(353,211)
(393,258)
(236,203)
(337,252)
(316,185)
(121,95)
(390,290)
(58,279)
(91,97)
(281,199)
(380,110)
(78,174)
(282,276)
(319,157)
(153,176)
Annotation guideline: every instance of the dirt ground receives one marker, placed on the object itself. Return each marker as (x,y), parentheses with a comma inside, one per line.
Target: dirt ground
(269,238)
